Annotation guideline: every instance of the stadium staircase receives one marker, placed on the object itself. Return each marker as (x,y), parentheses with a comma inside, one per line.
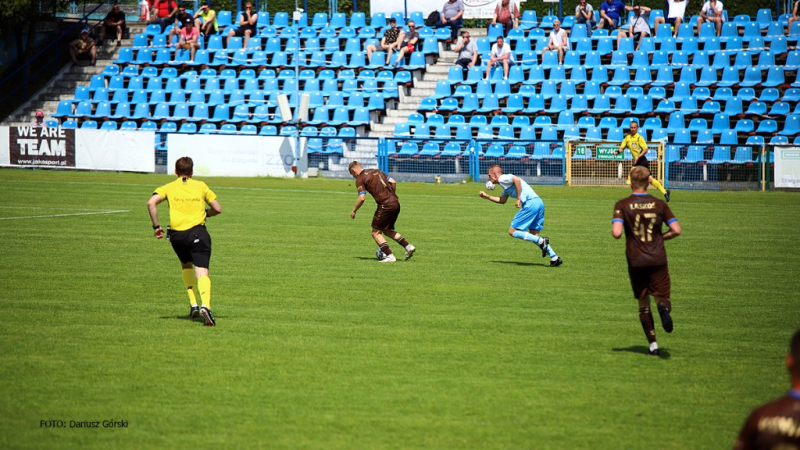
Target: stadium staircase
(62,87)
(422,89)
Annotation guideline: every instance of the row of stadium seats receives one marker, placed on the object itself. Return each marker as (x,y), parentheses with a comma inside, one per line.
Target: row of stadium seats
(675,123)
(592,133)
(339,59)
(373,100)
(229,85)
(528,20)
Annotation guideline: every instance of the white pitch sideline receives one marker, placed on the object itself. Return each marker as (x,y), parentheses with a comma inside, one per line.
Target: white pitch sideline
(66,215)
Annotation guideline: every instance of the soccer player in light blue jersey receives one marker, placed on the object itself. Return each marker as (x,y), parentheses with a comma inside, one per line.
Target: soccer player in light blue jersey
(529,220)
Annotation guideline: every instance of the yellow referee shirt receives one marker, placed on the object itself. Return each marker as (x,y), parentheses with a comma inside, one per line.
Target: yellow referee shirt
(635,144)
(187,202)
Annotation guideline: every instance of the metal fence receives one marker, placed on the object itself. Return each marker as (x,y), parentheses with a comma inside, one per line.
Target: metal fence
(538,162)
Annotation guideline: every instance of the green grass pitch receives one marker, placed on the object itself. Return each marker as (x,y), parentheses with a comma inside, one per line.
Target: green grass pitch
(474,343)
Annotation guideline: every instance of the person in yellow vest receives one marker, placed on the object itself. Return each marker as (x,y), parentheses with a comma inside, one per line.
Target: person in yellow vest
(638,147)
(187,231)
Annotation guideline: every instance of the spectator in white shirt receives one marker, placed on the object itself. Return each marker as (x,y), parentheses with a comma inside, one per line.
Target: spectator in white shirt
(711,12)
(558,41)
(501,56)
(673,18)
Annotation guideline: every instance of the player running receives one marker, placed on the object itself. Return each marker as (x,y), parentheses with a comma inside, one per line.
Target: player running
(529,220)
(382,187)
(638,147)
(642,217)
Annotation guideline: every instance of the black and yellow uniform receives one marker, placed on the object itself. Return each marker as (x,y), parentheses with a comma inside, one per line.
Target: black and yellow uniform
(638,146)
(187,217)
(189,238)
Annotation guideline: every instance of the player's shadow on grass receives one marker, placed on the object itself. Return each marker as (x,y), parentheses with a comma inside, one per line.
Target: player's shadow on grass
(186,317)
(517,263)
(642,350)
(366,258)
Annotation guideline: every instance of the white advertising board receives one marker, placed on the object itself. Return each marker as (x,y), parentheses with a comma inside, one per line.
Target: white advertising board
(233,156)
(787,166)
(25,146)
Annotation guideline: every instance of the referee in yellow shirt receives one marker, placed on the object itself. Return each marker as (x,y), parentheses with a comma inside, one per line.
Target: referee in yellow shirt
(187,219)
(638,147)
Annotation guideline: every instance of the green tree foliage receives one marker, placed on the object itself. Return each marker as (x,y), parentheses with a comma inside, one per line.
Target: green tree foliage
(734,7)
(15,17)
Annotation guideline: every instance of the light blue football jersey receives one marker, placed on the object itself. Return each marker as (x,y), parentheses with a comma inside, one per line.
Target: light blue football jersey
(506,181)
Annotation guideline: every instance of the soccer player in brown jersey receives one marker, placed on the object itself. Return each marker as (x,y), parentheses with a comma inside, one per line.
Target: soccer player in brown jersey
(776,425)
(382,187)
(641,216)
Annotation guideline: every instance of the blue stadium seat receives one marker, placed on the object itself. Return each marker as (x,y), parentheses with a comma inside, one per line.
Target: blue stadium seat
(791,126)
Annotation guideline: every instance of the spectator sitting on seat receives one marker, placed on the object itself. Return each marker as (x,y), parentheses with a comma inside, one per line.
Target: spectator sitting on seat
(205,20)
(795,17)
(638,27)
(113,23)
(559,42)
(451,16)
(711,12)
(248,24)
(609,14)
(165,12)
(188,39)
(38,122)
(83,48)
(674,17)
(584,13)
(410,39)
(506,13)
(501,56)
(466,51)
(181,19)
(390,41)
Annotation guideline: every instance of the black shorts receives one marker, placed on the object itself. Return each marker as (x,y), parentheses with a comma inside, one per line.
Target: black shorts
(653,280)
(86,56)
(643,162)
(670,20)
(386,216)
(192,246)
(240,31)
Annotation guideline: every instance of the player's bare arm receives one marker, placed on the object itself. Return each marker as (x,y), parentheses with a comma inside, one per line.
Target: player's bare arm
(674,231)
(518,186)
(359,202)
(616,230)
(152,208)
(214,209)
(491,198)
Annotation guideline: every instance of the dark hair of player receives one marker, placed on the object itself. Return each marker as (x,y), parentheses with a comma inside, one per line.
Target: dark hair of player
(794,346)
(184,167)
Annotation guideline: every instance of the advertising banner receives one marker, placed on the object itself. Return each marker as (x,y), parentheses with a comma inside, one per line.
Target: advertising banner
(233,156)
(607,154)
(787,167)
(34,146)
(77,149)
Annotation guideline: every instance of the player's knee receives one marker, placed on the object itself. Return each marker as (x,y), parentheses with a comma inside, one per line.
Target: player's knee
(511,231)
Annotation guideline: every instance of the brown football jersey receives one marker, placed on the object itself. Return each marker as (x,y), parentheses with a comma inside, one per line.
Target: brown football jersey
(376,183)
(774,426)
(643,216)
